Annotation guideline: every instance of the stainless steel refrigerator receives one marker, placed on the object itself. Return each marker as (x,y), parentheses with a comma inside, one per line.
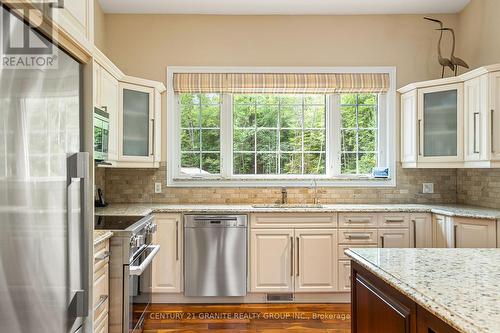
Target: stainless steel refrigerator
(43,186)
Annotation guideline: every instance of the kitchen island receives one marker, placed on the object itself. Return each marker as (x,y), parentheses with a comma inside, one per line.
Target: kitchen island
(425,290)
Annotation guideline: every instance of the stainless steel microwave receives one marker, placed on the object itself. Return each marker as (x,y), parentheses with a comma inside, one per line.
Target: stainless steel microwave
(101,135)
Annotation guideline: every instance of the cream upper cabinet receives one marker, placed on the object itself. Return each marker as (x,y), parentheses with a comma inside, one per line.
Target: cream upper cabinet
(394,238)
(316,257)
(473,233)
(409,128)
(76,17)
(136,119)
(492,130)
(473,118)
(139,119)
(272,260)
(440,124)
(167,265)
(106,99)
(482,121)
(452,122)
(135,109)
(421,230)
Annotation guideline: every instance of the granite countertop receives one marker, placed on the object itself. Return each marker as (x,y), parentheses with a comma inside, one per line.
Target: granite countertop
(101,235)
(460,286)
(450,210)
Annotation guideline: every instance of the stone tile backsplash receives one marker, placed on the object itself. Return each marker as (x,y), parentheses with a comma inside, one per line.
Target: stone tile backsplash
(479,187)
(137,186)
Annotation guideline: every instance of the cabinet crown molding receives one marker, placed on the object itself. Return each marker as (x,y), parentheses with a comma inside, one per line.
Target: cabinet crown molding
(450,80)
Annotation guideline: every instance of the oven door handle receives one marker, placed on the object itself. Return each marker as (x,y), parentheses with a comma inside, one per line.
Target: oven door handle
(138,270)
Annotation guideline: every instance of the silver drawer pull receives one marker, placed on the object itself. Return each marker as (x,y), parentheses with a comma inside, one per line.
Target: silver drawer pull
(394,221)
(358,236)
(102,299)
(361,220)
(103,256)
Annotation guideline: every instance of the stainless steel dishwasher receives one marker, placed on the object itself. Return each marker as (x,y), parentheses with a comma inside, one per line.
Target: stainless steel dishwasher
(215,255)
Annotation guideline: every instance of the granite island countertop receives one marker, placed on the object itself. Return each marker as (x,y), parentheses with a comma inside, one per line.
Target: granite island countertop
(144,209)
(459,286)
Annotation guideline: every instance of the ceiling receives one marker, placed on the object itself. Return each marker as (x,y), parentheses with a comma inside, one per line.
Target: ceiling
(283,7)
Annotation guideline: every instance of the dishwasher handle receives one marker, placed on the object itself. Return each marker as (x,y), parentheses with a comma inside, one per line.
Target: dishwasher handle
(216,218)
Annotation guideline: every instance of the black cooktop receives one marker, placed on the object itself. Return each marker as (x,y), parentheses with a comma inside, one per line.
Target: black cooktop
(115,222)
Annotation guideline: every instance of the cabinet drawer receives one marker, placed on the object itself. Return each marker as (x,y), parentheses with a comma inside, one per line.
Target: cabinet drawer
(101,323)
(394,220)
(342,248)
(344,275)
(101,255)
(358,236)
(101,291)
(293,220)
(358,220)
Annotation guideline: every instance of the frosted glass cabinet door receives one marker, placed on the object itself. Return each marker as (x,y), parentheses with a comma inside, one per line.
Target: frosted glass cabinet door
(440,126)
(136,119)
(135,123)
(441,121)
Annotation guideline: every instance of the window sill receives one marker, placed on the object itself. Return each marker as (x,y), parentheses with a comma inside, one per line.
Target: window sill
(285,182)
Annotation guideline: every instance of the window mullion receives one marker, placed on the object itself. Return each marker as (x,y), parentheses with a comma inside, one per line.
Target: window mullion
(226,136)
(382,132)
(255,141)
(333,138)
(302,134)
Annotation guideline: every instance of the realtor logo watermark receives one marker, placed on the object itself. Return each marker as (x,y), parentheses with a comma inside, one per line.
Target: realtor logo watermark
(22,46)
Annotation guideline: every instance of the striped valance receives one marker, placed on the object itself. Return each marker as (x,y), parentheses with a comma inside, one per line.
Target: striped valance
(302,83)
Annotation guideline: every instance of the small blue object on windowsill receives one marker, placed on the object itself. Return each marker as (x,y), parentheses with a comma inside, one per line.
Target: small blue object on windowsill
(380,172)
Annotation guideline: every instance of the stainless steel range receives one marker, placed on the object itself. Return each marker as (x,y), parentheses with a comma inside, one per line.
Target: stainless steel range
(132,252)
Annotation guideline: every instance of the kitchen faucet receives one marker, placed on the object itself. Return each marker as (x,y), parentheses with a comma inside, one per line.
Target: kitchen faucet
(284,196)
(315,184)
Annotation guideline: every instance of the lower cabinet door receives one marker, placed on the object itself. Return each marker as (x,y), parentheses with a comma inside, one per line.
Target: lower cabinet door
(167,265)
(394,238)
(440,230)
(474,233)
(428,323)
(316,257)
(344,275)
(421,230)
(102,325)
(377,311)
(272,260)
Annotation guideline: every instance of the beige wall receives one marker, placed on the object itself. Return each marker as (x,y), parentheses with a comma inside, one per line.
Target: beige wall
(99,26)
(479,33)
(144,45)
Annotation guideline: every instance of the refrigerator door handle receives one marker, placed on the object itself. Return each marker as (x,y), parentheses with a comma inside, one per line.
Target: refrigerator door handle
(78,168)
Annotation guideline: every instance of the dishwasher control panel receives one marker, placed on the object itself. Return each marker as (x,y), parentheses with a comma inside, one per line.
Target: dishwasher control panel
(213,221)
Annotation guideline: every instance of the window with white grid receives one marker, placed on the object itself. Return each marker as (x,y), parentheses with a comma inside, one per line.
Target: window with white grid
(261,139)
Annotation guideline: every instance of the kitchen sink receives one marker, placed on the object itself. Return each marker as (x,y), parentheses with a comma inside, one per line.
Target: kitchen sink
(287,206)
